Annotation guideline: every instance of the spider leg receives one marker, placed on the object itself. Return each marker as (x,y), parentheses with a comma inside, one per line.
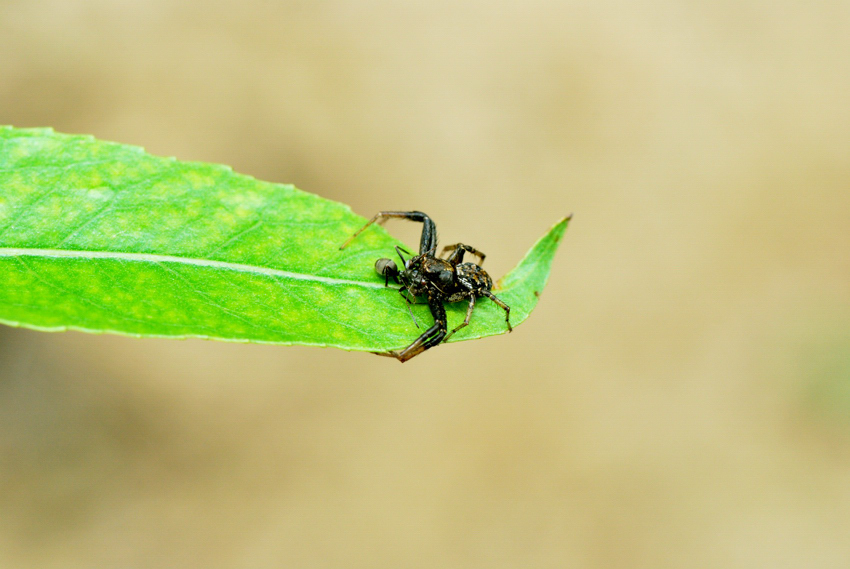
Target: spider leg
(428,240)
(430,338)
(504,306)
(465,320)
(457,250)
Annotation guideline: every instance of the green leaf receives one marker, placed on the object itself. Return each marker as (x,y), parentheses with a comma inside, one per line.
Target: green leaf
(102,237)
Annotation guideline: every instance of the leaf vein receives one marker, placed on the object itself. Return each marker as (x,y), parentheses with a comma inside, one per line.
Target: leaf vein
(157,259)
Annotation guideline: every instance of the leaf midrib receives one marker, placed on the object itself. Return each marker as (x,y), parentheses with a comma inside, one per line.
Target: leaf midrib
(157,259)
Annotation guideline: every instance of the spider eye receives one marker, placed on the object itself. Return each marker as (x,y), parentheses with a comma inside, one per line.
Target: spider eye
(386,267)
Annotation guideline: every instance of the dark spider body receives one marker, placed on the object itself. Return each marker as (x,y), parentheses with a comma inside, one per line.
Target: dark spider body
(438,279)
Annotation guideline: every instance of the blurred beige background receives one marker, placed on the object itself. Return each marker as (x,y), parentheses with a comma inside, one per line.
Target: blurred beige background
(680,398)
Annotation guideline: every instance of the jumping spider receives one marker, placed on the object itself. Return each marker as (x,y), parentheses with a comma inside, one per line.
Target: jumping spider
(439,279)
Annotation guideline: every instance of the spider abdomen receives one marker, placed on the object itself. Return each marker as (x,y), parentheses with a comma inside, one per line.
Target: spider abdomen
(473,277)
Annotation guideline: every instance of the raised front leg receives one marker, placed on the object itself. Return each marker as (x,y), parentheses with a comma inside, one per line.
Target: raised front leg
(428,240)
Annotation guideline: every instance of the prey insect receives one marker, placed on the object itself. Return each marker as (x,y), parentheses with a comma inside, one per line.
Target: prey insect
(439,279)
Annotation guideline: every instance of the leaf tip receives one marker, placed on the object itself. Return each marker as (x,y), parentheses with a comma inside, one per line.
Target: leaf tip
(539,258)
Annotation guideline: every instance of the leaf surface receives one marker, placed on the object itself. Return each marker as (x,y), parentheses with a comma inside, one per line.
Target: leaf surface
(102,237)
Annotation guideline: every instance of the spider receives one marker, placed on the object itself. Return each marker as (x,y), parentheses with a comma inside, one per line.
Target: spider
(439,279)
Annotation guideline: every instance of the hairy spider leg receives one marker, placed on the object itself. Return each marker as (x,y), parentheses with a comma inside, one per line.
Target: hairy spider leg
(457,250)
(428,240)
(465,320)
(430,338)
(504,306)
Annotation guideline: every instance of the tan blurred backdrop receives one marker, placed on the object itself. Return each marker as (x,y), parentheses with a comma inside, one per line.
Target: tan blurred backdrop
(680,397)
